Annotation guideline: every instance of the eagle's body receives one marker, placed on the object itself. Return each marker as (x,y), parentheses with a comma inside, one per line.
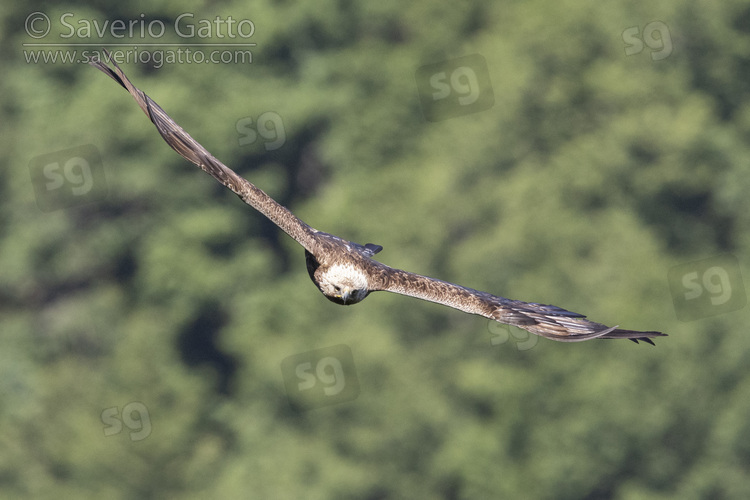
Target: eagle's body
(345,272)
(345,280)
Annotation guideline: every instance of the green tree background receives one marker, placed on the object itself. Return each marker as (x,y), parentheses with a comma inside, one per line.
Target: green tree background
(592,176)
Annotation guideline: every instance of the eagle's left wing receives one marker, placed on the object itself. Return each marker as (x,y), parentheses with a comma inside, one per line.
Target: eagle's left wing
(545,320)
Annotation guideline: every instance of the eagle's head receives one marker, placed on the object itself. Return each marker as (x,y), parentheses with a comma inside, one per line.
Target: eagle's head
(342,284)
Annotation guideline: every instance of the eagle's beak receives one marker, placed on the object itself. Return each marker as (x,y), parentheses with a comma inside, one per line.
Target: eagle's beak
(345,294)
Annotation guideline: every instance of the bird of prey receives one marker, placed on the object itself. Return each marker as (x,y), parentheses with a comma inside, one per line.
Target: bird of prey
(345,272)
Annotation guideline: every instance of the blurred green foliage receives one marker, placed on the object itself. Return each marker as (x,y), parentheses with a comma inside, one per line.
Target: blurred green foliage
(593,174)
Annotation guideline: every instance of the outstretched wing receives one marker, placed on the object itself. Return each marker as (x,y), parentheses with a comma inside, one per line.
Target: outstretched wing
(548,321)
(180,141)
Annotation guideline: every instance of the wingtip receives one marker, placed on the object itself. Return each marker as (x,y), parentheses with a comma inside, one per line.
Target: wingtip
(103,66)
(635,336)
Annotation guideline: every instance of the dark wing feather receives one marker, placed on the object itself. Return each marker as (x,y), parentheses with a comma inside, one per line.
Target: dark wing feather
(545,320)
(191,150)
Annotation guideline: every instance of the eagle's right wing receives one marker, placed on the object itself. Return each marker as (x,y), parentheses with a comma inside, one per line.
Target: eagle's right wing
(191,150)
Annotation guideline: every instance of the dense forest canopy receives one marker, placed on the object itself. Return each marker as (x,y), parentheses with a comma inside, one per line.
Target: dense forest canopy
(160,339)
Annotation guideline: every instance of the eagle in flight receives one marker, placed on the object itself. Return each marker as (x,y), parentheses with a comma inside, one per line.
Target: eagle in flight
(346,272)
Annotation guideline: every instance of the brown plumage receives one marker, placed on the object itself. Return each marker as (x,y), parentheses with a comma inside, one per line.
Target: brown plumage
(346,273)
